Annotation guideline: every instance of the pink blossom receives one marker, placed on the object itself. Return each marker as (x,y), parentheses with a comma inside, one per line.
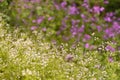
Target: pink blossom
(69,57)
(97,9)
(50,18)
(110,59)
(110,48)
(44,29)
(73,10)
(87,45)
(86,37)
(64,4)
(40,19)
(33,27)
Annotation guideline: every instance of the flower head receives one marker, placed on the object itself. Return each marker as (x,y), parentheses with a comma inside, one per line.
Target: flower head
(110,48)
(40,19)
(64,4)
(97,9)
(86,37)
(69,57)
(106,2)
(110,59)
(87,45)
(73,10)
(33,28)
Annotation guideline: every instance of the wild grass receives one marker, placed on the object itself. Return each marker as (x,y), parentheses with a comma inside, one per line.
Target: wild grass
(27,55)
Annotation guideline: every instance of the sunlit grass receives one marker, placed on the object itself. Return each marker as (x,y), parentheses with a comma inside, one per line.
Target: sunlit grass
(30,57)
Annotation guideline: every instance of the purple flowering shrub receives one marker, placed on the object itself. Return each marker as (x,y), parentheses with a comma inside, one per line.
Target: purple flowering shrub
(84,22)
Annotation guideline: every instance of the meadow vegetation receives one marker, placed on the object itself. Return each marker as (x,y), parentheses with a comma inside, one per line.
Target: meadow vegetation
(59,40)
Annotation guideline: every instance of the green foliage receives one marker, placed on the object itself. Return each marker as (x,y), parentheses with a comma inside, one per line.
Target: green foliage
(24,57)
(29,55)
(113,6)
(4,6)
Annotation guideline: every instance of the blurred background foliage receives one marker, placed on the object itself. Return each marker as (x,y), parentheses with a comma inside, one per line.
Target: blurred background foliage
(8,7)
(23,15)
(113,6)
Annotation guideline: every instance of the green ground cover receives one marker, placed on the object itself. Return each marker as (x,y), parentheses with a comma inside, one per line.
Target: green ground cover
(26,55)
